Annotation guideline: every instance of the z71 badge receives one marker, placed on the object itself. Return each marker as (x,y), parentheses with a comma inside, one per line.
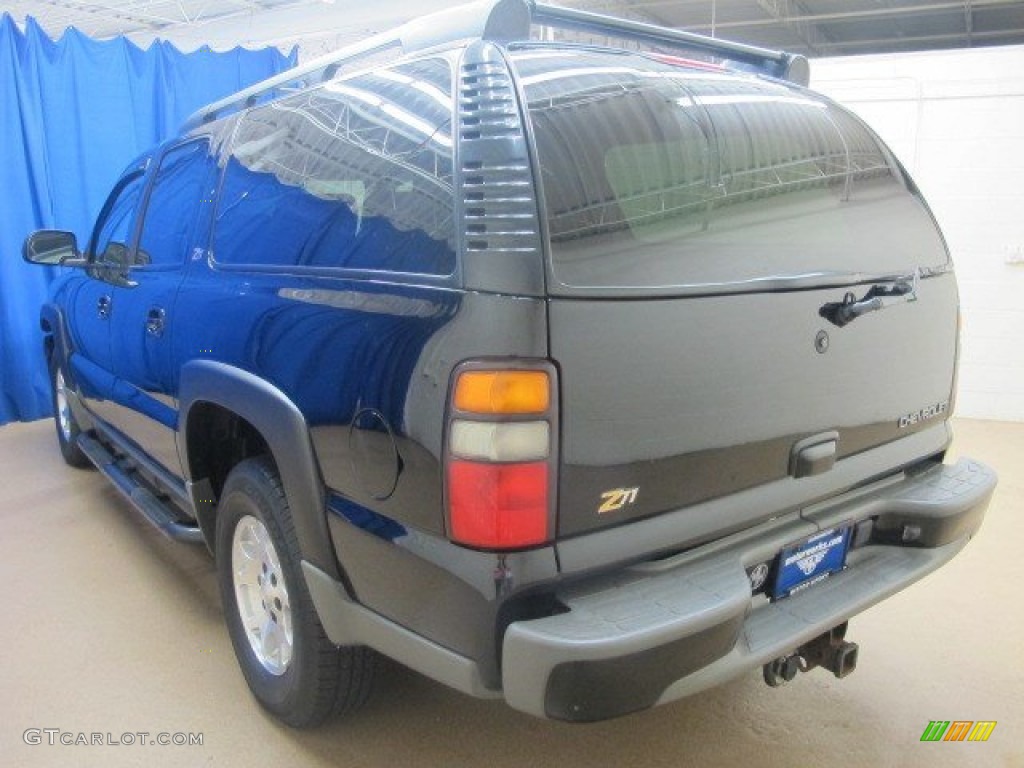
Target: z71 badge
(616,499)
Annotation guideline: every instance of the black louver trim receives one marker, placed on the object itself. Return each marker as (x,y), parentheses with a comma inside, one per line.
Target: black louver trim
(499,204)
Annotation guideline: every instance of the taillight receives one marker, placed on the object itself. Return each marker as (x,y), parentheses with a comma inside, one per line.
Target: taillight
(500,454)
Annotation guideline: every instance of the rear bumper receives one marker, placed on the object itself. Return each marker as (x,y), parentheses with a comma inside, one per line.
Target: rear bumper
(659,631)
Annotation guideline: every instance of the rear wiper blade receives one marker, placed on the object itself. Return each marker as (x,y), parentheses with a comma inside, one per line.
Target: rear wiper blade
(879,296)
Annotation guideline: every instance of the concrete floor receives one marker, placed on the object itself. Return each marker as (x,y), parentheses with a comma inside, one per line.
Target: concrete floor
(110,628)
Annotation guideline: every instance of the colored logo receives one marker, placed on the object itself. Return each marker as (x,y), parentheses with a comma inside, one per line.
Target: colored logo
(958,730)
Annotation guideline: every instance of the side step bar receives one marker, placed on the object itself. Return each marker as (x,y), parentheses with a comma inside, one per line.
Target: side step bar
(145,501)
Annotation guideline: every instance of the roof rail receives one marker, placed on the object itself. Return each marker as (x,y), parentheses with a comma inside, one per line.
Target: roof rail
(505,20)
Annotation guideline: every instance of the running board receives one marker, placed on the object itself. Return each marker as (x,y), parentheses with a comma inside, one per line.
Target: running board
(145,501)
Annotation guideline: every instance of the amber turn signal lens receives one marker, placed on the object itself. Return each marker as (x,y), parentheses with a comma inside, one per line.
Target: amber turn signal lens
(502,392)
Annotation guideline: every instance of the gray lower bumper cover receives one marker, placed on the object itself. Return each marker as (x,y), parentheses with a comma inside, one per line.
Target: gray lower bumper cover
(657,632)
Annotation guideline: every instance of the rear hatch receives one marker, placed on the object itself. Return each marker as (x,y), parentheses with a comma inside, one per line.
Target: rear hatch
(742,283)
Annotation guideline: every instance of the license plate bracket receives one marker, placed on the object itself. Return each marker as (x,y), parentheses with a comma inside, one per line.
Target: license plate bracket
(811,560)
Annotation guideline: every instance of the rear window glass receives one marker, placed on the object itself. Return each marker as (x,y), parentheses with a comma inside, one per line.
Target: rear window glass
(657,175)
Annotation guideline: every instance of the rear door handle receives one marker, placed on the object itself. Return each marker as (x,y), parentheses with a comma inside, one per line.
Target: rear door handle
(155,321)
(103,307)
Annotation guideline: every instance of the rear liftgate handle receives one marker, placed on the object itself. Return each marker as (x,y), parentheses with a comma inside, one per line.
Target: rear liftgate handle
(814,455)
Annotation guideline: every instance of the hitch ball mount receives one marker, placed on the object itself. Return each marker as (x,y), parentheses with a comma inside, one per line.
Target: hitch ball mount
(830,651)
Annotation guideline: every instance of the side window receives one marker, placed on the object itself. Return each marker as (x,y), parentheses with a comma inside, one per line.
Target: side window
(118,224)
(356,174)
(169,221)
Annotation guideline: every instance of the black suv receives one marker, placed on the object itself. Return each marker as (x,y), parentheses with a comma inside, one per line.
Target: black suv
(583,377)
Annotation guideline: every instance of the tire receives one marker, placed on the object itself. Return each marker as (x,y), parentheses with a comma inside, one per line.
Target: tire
(64,419)
(292,668)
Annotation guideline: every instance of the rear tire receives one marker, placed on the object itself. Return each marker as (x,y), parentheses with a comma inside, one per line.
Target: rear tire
(64,418)
(292,668)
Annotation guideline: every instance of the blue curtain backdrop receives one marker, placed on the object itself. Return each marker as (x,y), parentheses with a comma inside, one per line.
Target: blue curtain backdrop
(73,113)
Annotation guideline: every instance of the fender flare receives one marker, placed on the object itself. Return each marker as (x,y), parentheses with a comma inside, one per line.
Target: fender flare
(53,324)
(285,431)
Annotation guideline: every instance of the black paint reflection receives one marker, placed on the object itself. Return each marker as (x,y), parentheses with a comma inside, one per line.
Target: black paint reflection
(356,174)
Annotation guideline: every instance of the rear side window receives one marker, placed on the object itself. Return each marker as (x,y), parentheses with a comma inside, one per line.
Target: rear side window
(356,174)
(661,176)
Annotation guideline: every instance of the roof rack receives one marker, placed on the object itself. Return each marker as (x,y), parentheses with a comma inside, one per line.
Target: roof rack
(787,66)
(506,20)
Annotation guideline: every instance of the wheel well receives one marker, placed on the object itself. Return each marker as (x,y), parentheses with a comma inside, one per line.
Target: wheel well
(217,439)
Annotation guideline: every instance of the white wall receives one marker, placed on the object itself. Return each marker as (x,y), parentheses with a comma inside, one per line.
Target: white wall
(956,120)
(316,28)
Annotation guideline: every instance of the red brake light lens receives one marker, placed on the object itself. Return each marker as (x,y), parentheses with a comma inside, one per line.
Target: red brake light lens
(498,506)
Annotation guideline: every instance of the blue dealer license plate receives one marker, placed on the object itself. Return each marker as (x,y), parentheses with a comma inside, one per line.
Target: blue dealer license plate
(812,560)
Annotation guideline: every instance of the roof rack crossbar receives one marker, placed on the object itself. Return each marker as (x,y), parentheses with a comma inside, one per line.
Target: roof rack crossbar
(502,20)
(775,63)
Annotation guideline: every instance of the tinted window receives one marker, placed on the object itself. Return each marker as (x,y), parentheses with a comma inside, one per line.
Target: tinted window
(170,218)
(118,225)
(657,175)
(355,174)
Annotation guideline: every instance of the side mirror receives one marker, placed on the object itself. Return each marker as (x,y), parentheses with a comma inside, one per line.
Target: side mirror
(50,246)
